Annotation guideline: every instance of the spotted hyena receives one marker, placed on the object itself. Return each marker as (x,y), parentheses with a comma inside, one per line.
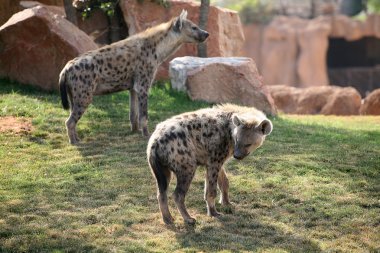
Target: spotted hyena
(129,64)
(206,137)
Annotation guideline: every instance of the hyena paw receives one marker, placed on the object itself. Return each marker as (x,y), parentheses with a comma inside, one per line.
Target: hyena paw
(168,220)
(145,132)
(213,213)
(190,221)
(228,208)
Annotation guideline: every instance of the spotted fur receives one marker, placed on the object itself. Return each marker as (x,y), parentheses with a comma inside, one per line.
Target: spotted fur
(207,137)
(129,64)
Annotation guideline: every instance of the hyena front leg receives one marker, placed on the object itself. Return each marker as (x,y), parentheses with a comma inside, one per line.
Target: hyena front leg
(133,115)
(223,185)
(142,85)
(211,189)
(143,111)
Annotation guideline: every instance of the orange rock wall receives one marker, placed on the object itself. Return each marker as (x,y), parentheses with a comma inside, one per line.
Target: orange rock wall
(293,51)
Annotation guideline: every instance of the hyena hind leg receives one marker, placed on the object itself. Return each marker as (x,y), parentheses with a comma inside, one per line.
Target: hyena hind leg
(71,123)
(163,176)
(162,196)
(183,184)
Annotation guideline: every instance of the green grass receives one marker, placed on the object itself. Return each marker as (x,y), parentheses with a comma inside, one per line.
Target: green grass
(314,185)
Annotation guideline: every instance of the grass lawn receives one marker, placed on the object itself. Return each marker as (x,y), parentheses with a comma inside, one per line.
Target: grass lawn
(314,186)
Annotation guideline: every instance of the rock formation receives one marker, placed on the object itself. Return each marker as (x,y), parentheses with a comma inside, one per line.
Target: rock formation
(327,100)
(35,45)
(221,80)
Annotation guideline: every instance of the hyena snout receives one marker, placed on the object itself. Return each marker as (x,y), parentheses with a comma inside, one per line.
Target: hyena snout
(202,36)
(239,154)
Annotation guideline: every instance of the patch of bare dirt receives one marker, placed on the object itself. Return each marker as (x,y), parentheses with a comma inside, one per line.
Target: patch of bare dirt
(15,125)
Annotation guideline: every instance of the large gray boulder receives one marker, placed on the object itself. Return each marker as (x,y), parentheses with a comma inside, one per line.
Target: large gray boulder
(222,80)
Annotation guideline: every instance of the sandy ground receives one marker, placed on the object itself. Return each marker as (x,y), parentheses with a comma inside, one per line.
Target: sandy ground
(15,125)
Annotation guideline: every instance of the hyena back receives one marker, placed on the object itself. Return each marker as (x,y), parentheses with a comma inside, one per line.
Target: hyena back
(129,64)
(206,137)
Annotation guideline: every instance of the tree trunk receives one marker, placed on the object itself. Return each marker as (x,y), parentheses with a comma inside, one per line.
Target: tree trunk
(71,13)
(313,9)
(203,16)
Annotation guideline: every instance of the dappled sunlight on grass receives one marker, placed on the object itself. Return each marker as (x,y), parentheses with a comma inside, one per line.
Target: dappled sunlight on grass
(313,186)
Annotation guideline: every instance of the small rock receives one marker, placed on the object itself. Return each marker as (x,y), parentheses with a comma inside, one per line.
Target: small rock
(371,105)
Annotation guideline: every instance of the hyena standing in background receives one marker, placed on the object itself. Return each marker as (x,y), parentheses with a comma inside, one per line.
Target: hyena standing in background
(129,64)
(206,137)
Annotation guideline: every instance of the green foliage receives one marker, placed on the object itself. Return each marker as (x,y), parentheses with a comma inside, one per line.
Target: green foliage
(255,11)
(373,6)
(252,11)
(109,6)
(312,187)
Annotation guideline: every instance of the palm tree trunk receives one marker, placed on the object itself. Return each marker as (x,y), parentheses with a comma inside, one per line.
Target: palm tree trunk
(71,13)
(203,16)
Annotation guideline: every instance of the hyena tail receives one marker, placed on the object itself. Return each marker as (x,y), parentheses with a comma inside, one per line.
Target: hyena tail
(159,171)
(63,91)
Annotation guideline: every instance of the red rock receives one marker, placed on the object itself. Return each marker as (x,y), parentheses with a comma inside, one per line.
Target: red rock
(280,51)
(371,105)
(327,100)
(222,80)
(226,33)
(36,44)
(342,101)
(285,97)
(312,59)
(253,34)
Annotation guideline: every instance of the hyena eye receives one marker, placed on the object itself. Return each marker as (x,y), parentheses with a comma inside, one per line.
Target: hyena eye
(194,28)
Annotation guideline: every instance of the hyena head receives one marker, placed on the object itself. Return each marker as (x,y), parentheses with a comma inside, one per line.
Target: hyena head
(189,31)
(249,134)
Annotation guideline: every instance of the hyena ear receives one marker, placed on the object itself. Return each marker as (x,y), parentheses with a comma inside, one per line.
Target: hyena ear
(178,22)
(183,15)
(237,121)
(265,127)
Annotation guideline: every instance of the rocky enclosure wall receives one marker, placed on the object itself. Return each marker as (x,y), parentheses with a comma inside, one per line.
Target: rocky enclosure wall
(293,51)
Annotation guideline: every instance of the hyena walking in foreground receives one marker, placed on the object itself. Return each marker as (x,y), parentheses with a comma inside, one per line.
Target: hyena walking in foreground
(206,137)
(129,64)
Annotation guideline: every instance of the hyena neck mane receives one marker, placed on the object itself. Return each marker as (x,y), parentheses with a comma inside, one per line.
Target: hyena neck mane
(165,40)
(251,115)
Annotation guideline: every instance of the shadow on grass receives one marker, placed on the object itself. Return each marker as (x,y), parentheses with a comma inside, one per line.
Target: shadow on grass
(242,231)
